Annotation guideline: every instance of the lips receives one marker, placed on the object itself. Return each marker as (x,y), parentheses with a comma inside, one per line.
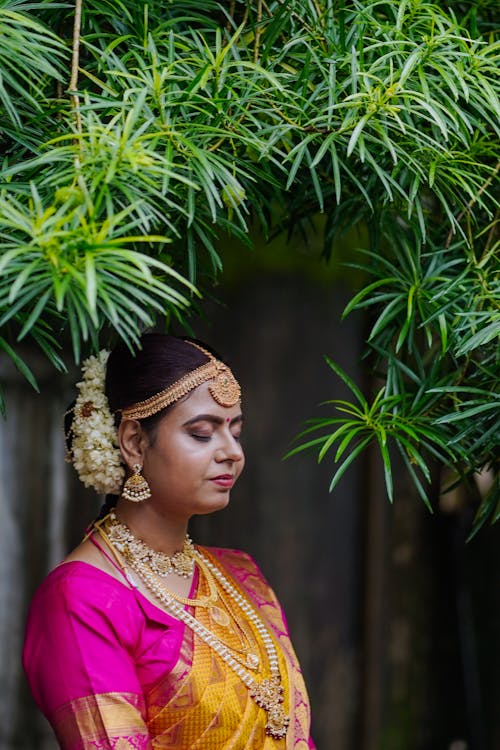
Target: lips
(224,480)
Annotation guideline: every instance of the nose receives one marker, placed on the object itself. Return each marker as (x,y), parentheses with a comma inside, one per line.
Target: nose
(229,450)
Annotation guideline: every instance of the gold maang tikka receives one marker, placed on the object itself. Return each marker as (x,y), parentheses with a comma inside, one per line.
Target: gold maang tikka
(224,389)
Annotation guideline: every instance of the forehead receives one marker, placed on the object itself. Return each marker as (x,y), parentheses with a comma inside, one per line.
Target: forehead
(200,401)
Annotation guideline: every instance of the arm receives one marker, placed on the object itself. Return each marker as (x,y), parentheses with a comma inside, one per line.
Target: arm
(79,658)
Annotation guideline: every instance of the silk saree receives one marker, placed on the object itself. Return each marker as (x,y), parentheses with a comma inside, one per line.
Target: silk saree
(112,671)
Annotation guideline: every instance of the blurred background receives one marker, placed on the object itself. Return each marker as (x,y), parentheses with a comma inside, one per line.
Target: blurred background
(394,617)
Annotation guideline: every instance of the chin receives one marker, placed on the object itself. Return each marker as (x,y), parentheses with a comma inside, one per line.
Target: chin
(217,504)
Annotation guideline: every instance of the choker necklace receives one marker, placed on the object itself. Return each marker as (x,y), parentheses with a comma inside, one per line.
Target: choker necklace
(160,563)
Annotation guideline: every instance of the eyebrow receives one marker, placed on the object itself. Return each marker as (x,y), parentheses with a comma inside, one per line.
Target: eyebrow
(213,419)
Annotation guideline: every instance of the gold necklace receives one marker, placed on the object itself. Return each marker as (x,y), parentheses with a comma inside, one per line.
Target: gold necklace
(133,548)
(268,693)
(224,616)
(118,536)
(244,657)
(121,537)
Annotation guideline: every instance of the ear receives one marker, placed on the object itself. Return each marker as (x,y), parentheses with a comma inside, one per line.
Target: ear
(132,441)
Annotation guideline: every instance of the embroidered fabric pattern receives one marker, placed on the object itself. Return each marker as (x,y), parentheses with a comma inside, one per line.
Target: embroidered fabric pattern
(266,689)
(224,716)
(107,720)
(203,704)
(162,686)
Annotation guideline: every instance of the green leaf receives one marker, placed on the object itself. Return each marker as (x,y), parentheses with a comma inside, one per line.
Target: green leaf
(347,380)
(348,461)
(19,363)
(34,315)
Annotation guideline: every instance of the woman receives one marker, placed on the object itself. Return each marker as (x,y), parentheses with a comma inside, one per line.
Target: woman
(139,639)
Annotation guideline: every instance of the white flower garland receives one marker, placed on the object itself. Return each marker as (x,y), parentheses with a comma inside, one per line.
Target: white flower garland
(94,448)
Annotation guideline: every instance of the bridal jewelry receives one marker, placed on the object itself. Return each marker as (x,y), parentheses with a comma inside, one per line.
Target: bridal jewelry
(136,489)
(160,563)
(268,693)
(115,533)
(224,388)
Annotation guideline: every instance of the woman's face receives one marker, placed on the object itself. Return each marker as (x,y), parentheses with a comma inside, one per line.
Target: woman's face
(195,457)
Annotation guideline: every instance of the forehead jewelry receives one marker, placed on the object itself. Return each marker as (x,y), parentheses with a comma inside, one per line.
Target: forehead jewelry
(224,388)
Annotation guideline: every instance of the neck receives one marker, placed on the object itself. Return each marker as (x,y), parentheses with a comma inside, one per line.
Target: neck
(161,533)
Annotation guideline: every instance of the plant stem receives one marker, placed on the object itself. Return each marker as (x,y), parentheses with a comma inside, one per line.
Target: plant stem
(258,32)
(473,200)
(75,60)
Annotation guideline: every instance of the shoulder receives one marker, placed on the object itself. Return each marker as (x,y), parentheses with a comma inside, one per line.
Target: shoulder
(232,558)
(78,603)
(86,575)
(79,591)
(243,568)
(77,577)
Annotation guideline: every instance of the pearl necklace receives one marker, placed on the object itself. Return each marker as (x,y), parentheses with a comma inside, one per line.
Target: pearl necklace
(268,694)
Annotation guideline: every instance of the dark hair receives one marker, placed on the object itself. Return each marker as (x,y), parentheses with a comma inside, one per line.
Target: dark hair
(161,360)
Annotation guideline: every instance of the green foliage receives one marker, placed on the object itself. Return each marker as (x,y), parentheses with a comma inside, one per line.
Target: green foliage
(57,261)
(434,343)
(398,419)
(22,86)
(190,121)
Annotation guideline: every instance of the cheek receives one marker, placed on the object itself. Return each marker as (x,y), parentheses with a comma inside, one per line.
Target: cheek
(241,464)
(184,461)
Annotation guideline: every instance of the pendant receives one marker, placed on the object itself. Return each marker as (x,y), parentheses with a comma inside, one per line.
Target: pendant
(219,616)
(269,696)
(277,723)
(253,661)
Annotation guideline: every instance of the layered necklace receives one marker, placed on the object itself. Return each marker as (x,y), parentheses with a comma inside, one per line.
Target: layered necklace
(150,566)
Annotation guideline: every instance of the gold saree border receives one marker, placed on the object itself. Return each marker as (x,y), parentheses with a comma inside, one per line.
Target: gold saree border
(107,720)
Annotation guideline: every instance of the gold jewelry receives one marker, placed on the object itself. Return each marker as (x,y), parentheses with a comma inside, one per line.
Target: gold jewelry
(244,655)
(136,489)
(221,615)
(131,547)
(120,539)
(225,618)
(225,389)
(268,693)
(206,601)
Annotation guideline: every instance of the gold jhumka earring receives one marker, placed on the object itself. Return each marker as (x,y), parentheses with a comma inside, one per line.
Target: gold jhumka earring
(136,489)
